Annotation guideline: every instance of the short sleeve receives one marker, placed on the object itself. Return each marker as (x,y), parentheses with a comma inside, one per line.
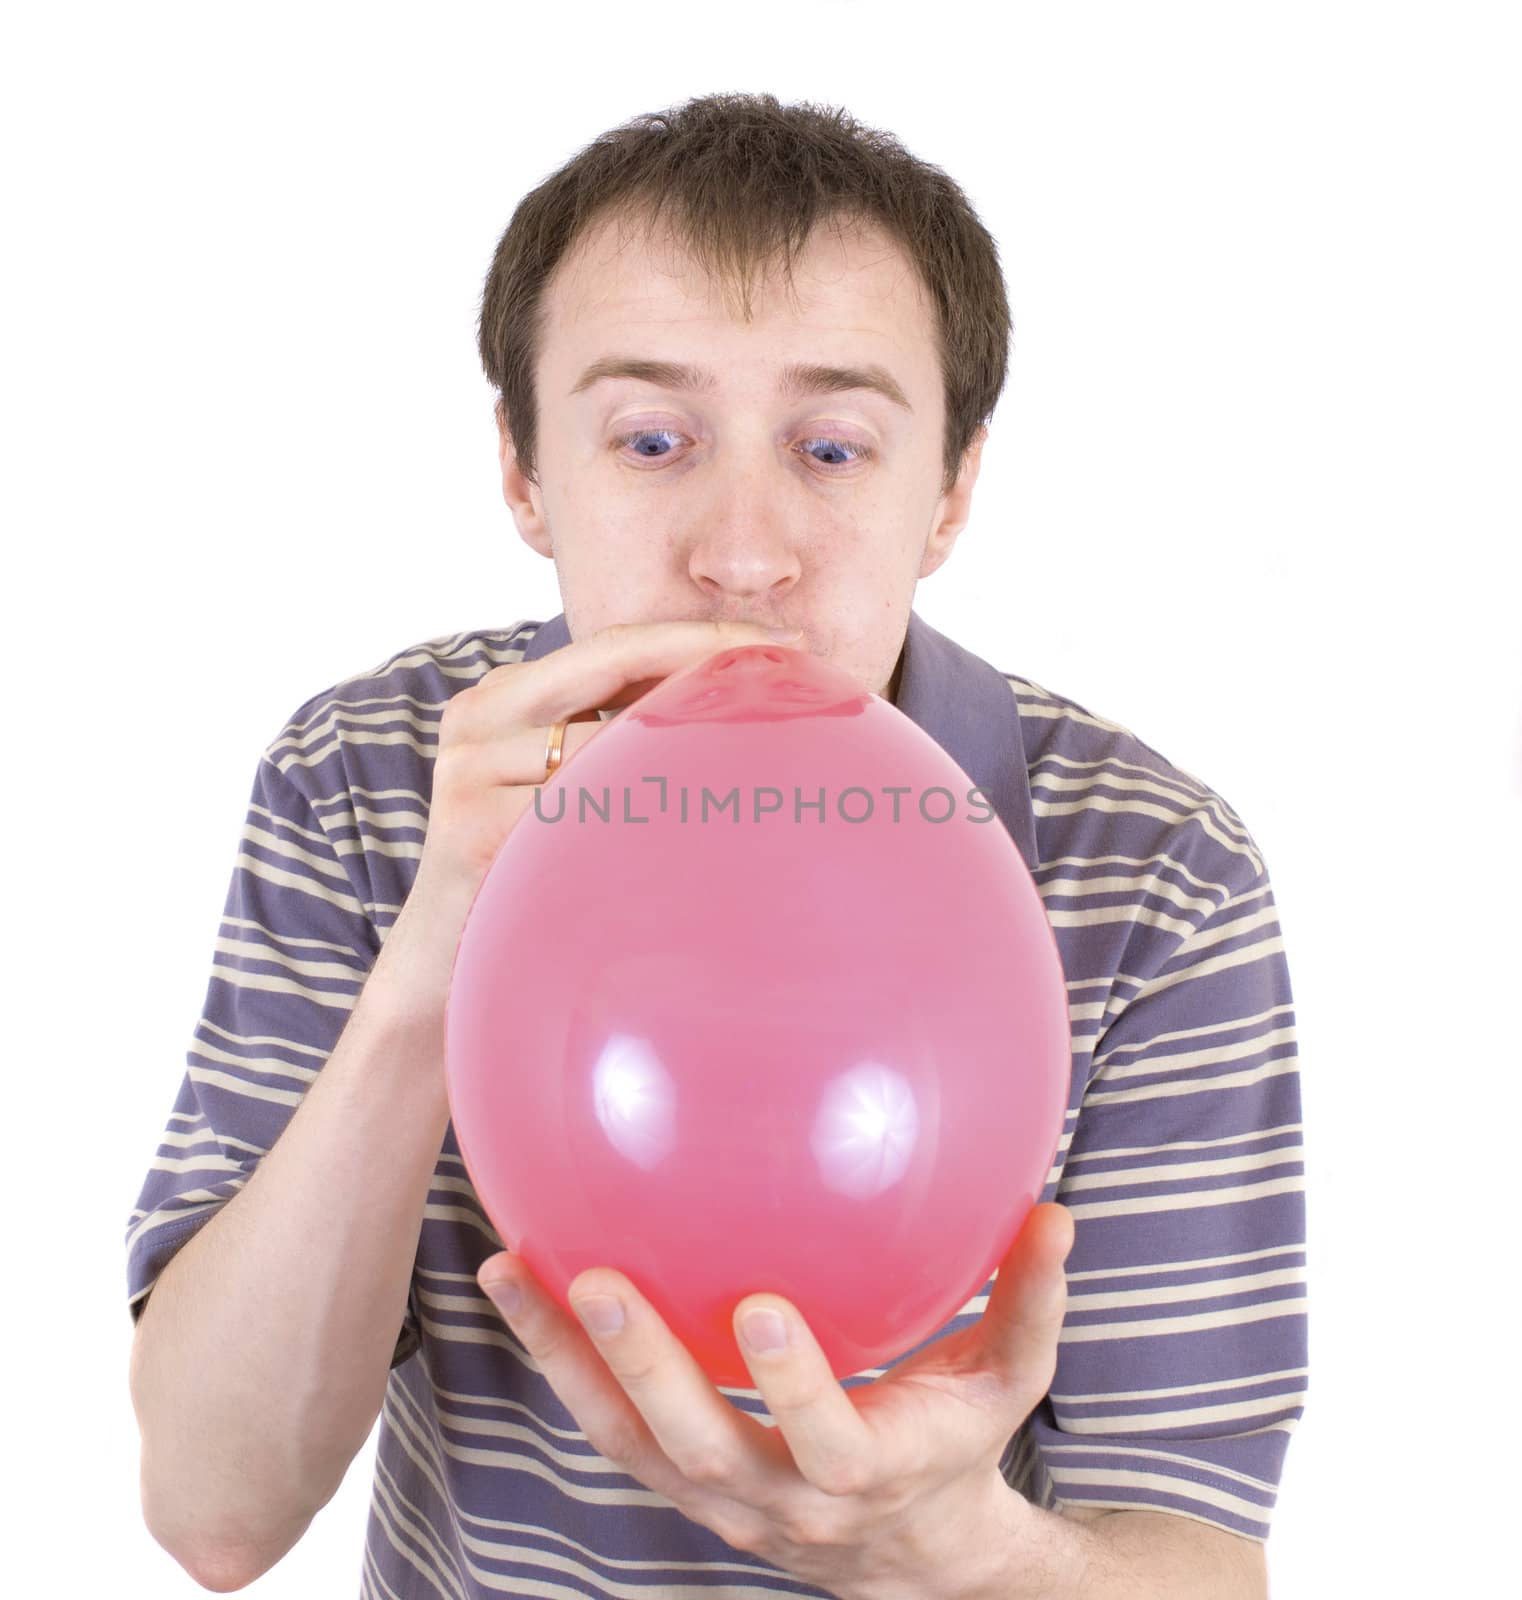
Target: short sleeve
(292,953)
(1183,1365)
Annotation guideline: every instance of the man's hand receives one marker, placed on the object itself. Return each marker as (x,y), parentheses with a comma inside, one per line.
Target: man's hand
(490,762)
(888,1489)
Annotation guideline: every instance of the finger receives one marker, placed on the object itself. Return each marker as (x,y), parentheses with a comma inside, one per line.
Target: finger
(998,1368)
(593,671)
(1022,1324)
(707,1439)
(630,693)
(514,756)
(576,1370)
(830,1442)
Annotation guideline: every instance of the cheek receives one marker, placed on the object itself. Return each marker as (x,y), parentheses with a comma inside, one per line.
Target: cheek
(628,573)
(601,529)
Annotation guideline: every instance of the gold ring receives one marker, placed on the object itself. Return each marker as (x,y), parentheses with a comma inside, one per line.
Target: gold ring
(552,750)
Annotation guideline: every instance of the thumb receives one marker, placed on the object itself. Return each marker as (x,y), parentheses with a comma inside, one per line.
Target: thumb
(1028,1302)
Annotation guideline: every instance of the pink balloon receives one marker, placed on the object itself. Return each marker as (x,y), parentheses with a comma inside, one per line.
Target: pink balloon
(791,1046)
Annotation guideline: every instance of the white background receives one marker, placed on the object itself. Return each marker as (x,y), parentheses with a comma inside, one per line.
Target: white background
(1251,491)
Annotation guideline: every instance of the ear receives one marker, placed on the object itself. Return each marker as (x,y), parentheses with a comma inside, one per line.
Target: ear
(523,497)
(954,509)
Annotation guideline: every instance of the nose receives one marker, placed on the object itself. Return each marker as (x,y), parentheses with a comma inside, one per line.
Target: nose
(745,551)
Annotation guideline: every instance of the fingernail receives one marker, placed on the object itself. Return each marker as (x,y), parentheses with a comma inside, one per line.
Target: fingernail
(602,1313)
(505,1295)
(764,1330)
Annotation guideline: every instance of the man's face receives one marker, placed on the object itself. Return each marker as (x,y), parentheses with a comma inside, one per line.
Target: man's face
(739,501)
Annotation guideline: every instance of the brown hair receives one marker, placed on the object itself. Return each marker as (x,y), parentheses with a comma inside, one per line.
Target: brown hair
(741,179)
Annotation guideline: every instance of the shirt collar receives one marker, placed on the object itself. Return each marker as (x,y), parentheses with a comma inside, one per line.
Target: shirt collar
(963,703)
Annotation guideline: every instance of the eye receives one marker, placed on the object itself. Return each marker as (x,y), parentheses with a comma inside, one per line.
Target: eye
(857,452)
(639,440)
(646,442)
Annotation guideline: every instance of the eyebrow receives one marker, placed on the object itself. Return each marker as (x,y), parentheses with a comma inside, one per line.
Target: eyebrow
(801,378)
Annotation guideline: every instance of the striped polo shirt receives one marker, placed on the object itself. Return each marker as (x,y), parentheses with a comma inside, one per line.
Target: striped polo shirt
(1182,1367)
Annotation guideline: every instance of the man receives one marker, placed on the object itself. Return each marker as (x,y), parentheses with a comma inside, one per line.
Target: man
(703,471)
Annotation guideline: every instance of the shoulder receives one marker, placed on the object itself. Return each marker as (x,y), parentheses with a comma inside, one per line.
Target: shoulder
(1108,805)
(351,770)
(393,706)
(397,702)
(428,673)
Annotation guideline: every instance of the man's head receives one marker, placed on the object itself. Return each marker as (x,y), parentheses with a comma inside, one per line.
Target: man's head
(741,239)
